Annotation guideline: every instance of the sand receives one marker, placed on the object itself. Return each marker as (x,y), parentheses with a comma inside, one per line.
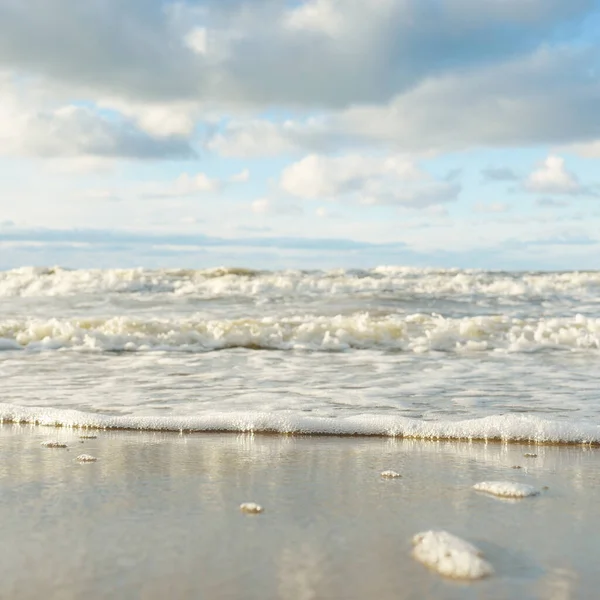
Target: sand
(158,515)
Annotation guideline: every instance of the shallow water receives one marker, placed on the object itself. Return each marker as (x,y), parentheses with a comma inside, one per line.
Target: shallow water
(388,351)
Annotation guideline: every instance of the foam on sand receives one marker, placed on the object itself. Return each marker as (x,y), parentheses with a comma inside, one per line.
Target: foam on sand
(86,458)
(506,489)
(450,555)
(52,444)
(390,475)
(505,428)
(251,508)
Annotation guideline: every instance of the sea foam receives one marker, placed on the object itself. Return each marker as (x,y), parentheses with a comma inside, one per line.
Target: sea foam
(505,428)
(416,333)
(450,555)
(506,489)
(228,282)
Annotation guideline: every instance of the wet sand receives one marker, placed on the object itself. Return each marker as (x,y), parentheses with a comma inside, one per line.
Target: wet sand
(158,515)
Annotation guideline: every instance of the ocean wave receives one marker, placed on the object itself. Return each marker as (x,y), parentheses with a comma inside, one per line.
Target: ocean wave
(504,428)
(232,282)
(416,333)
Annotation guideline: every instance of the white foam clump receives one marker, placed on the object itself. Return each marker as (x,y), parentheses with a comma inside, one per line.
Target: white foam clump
(450,555)
(511,427)
(53,444)
(390,474)
(86,458)
(506,489)
(416,333)
(251,508)
(224,282)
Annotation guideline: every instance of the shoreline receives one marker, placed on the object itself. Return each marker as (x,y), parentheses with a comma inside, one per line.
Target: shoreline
(508,428)
(299,434)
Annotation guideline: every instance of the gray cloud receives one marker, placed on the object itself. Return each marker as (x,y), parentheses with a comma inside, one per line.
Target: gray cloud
(498,174)
(81,131)
(548,97)
(414,75)
(423,196)
(551,203)
(315,54)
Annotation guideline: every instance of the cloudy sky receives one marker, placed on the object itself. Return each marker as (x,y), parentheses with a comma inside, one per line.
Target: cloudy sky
(300,133)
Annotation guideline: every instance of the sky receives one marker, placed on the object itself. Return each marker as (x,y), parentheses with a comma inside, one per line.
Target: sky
(300,133)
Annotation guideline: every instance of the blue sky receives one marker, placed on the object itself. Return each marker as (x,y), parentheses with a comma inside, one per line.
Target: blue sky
(456,133)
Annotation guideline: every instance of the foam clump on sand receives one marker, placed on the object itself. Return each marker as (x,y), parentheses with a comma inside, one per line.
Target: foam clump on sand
(86,458)
(450,555)
(52,444)
(390,474)
(506,489)
(251,508)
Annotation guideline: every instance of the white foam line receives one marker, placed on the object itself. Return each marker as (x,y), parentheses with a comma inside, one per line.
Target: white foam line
(507,428)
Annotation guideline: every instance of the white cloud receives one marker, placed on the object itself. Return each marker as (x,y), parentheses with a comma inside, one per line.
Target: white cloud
(587,150)
(551,203)
(261,205)
(326,213)
(494,207)
(78,165)
(241,177)
(268,206)
(157,119)
(317,176)
(106,195)
(36,122)
(185,185)
(365,180)
(411,196)
(437,210)
(191,184)
(257,138)
(552,177)
(197,40)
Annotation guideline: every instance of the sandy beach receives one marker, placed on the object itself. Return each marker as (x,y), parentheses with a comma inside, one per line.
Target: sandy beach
(158,515)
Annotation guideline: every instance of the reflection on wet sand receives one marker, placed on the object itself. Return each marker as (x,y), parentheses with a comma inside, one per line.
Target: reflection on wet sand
(158,514)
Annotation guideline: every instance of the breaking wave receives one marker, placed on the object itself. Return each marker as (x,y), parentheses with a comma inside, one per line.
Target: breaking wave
(416,333)
(232,282)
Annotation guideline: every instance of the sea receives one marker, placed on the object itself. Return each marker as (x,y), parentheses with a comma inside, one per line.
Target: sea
(387,351)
